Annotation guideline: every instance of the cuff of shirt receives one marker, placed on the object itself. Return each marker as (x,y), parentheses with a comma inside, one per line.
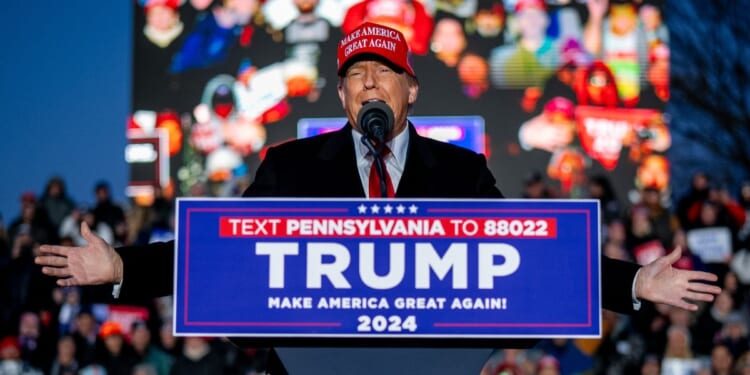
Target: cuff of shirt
(116,289)
(636,301)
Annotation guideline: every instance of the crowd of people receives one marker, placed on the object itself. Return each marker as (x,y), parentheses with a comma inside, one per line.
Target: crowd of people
(46,329)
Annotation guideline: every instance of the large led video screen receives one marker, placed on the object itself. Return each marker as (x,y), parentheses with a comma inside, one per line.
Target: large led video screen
(566,88)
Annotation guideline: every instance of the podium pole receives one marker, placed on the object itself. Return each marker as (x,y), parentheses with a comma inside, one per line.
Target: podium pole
(380,361)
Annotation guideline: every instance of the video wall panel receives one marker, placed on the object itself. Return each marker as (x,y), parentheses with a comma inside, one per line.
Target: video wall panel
(565,88)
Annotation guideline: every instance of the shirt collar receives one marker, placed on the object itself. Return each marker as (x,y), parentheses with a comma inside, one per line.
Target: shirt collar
(398,145)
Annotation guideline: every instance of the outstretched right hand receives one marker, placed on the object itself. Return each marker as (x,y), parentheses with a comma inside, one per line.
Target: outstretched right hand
(94,264)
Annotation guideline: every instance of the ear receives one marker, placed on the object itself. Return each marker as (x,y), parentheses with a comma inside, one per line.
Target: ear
(413,92)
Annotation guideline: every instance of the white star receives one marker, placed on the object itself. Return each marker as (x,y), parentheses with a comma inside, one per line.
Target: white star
(362,209)
(412,209)
(375,208)
(388,209)
(400,209)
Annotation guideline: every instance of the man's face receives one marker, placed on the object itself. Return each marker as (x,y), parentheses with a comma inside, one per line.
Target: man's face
(449,35)
(306,6)
(371,80)
(489,23)
(624,18)
(113,343)
(243,9)
(85,324)
(140,338)
(161,17)
(532,22)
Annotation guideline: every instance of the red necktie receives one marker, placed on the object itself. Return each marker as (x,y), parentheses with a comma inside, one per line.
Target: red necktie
(375,178)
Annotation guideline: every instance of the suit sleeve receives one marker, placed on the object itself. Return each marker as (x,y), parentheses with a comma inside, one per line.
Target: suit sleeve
(486,183)
(148,271)
(617,285)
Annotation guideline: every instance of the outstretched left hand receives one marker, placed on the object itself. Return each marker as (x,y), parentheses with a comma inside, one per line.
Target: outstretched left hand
(659,282)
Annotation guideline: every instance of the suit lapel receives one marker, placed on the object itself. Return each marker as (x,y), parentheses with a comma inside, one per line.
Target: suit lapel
(340,165)
(415,181)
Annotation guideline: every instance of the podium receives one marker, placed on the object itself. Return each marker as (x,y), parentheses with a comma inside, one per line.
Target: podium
(380,361)
(352,286)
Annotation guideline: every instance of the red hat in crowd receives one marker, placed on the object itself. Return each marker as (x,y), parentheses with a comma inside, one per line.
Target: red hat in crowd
(9,342)
(560,105)
(522,5)
(28,197)
(110,328)
(174,4)
(373,39)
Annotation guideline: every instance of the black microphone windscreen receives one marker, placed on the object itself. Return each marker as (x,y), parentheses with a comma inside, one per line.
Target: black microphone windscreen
(376,119)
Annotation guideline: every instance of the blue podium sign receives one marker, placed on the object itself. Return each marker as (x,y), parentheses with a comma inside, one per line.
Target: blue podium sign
(387,268)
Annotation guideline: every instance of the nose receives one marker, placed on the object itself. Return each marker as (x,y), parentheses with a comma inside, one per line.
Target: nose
(369,81)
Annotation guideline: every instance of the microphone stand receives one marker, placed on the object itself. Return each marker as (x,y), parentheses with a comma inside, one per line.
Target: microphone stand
(379,163)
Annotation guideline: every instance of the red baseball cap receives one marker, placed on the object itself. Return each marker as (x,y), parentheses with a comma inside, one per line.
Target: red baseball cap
(110,328)
(371,38)
(174,4)
(522,5)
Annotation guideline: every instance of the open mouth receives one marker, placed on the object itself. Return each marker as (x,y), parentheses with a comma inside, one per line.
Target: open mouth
(372,101)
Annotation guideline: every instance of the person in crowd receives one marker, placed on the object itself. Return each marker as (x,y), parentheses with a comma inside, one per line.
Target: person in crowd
(154,44)
(198,358)
(116,354)
(105,210)
(548,365)
(10,358)
(716,235)
(32,221)
(621,347)
(71,226)
(571,358)
(336,164)
(721,360)
(55,201)
(84,335)
(534,55)
(534,187)
(600,188)
(168,342)
(698,192)
(36,349)
(651,365)
(678,355)
(663,222)
(615,34)
(69,309)
(65,360)
(485,28)
(710,322)
(641,239)
(733,335)
(140,337)
(597,87)
(742,364)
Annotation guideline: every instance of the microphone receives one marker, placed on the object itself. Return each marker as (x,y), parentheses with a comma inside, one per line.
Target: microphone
(376,121)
